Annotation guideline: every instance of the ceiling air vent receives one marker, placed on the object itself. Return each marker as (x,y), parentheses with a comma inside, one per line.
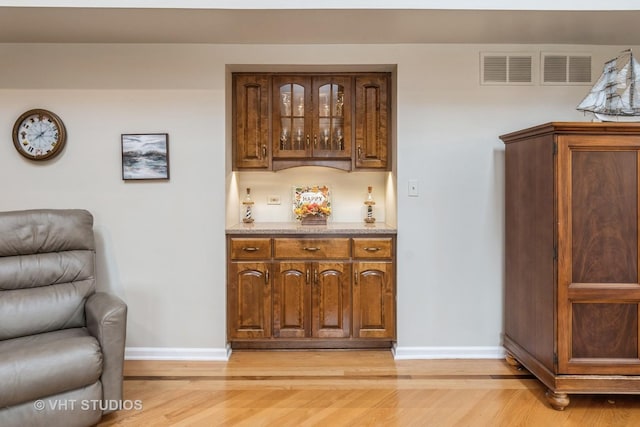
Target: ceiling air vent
(566,69)
(501,69)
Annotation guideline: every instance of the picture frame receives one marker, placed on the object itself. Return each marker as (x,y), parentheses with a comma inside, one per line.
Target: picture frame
(311,203)
(145,156)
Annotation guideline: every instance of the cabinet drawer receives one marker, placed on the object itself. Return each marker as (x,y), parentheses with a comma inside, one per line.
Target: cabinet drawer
(242,248)
(311,248)
(372,248)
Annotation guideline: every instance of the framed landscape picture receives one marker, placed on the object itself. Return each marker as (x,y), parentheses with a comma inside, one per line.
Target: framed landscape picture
(145,156)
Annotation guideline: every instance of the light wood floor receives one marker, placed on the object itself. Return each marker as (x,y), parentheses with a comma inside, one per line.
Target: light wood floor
(352,388)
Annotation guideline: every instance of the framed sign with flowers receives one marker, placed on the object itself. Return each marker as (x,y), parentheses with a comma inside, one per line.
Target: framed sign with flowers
(311,204)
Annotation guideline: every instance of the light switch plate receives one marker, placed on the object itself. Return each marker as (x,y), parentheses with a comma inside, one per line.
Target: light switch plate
(413,188)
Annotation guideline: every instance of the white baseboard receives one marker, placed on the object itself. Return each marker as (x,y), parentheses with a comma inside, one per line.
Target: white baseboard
(399,353)
(406,353)
(166,353)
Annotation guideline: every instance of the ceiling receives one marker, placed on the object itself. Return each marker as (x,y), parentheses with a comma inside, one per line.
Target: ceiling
(326,26)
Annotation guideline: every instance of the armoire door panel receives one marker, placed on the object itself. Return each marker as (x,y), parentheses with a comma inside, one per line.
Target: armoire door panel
(605,330)
(604,210)
(598,290)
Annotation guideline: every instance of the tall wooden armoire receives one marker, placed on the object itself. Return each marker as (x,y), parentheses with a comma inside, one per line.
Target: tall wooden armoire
(572,289)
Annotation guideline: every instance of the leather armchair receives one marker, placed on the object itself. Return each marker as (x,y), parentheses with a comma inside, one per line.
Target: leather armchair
(61,342)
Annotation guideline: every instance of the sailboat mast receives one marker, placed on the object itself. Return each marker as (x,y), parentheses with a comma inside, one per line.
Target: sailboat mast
(632,83)
(611,84)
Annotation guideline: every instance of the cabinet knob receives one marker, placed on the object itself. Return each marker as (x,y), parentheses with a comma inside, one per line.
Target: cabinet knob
(371,249)
(315,141)
(359,152)
(264,150)
(311,249)
(250,249)
(307,140)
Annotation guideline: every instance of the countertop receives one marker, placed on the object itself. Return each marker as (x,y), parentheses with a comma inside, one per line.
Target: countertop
(296,228)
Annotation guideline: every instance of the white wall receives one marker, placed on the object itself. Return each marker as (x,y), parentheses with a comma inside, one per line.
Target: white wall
(161,244)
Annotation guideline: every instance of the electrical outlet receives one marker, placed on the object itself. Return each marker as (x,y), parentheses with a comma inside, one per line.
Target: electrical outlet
(273,200)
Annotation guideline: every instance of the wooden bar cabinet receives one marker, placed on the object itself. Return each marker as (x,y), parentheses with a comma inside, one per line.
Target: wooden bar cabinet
(572,291)
(311,291)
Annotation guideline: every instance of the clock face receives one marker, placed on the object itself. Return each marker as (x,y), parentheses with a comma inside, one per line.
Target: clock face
(39,134)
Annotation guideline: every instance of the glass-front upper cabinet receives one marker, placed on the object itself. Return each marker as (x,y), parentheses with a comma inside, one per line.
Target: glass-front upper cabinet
(291,125)
(285,120)
(331,117)
(311,117)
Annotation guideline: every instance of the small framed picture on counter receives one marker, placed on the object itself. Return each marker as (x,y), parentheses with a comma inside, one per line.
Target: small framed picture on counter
(312,203)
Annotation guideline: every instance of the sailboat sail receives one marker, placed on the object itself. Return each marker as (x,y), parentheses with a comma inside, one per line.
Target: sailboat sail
(616,94)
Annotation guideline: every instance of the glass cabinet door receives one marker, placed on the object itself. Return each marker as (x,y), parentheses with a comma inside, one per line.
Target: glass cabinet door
(291,126)
(311,117)
(331,127)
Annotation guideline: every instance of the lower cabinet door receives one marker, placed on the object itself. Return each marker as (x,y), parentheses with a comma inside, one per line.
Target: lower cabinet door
(312,299)
(331,299)
(292,300)
(249,300)
(373,300)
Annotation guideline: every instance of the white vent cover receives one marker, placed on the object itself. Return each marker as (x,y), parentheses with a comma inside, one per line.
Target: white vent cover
(566,69)
(510,69)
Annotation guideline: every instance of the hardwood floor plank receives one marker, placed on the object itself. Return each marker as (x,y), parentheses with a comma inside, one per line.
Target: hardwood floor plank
(352,388)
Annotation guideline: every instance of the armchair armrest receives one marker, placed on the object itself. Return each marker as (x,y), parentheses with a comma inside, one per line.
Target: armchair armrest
(107,322)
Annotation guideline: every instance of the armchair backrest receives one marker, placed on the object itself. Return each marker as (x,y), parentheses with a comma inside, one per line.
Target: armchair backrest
(47,264)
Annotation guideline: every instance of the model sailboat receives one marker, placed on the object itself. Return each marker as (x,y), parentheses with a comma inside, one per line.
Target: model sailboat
(615,96)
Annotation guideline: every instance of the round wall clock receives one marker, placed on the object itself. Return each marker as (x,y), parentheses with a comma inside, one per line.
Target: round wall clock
(39,134)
